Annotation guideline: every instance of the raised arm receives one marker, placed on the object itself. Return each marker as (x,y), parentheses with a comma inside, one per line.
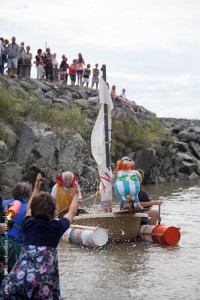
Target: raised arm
(74,205)
(35,192)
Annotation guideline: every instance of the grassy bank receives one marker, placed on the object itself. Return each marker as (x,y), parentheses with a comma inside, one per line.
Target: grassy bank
(16,108)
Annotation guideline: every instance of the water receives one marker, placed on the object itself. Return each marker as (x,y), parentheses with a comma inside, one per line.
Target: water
(141,270)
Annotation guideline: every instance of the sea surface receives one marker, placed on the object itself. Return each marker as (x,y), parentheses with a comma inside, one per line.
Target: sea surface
(141,270)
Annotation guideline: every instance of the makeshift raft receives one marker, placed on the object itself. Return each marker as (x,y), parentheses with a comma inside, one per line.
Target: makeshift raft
(121,226)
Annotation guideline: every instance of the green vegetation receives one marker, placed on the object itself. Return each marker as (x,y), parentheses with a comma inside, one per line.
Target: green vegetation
(3,135)
(15,108)
(140,134)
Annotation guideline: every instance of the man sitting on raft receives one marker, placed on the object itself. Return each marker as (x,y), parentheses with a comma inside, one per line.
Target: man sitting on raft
(63,191)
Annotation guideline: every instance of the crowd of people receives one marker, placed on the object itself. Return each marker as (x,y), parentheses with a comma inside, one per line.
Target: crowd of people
(18,60)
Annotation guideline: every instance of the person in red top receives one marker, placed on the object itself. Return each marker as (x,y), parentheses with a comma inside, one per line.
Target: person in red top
(72,72)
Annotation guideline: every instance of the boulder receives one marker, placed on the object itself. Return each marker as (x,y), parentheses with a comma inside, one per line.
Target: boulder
(195,148)
(145,159)
(188,168)
(185,136)
(3,151)
(10,174)
(185,156)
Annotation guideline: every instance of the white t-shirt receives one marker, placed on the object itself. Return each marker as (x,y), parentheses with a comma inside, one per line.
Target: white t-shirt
(54,191)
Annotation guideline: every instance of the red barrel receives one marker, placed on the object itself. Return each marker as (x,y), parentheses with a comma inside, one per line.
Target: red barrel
(166,234)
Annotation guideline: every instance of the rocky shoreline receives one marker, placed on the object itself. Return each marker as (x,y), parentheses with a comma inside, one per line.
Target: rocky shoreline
(36,147)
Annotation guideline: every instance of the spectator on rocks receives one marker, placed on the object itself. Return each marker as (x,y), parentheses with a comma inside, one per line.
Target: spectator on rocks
(63,191)
(55,67)
(79,67)
(95,77)
(4,49)
(26,63)
(13,52)
(63,68)
(39,64)
(48,64)
(20,59)
(1,53)
(86,75)
(72,71)
(125,102)
(116,99)
(145,202)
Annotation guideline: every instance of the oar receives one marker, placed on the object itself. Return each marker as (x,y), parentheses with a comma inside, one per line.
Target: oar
(85,200)
(159,213)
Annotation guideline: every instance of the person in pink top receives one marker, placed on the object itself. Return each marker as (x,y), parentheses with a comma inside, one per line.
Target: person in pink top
(79,67)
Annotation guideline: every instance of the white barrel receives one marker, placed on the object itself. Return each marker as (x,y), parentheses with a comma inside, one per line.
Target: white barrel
(87,236)
(146,232)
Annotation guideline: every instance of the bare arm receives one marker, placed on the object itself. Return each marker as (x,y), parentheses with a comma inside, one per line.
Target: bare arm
(34,193)
(74,206)
(113,178)
(151,203)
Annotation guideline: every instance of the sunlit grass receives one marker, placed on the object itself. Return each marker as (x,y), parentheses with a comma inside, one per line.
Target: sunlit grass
(14,109)
(146,135)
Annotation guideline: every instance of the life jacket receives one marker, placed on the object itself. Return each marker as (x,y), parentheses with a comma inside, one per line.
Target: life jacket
(64,197)
(16,231)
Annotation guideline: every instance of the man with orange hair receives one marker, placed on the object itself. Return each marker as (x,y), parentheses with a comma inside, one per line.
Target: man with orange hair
(126,183)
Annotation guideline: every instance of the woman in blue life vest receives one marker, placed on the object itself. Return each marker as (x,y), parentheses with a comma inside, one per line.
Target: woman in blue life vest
(13,237)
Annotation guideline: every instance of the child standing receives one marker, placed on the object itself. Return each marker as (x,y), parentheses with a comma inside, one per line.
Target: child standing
(86,75)
(95,78)
(35,274)
(72,72)
(63,68)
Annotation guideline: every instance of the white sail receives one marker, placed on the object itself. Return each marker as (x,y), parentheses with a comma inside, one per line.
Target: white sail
(98,145)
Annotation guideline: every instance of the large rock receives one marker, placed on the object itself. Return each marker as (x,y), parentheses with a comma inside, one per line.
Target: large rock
(145,159)
(10,174)
(195,148)
(185,136)
(3,151)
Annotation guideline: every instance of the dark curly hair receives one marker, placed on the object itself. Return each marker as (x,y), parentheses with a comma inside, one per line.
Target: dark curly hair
(43,206)
(22,190)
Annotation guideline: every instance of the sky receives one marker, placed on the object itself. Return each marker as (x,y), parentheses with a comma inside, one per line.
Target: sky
(150,47)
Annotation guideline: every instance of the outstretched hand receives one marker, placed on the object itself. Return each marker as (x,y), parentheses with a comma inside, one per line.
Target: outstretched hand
(158,202)
(38,182)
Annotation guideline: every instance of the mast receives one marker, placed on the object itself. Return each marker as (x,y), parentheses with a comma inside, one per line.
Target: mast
(107,150)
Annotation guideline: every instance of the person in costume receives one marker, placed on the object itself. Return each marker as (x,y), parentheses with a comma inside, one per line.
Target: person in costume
(35,274)
(126,183)
(63,191)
